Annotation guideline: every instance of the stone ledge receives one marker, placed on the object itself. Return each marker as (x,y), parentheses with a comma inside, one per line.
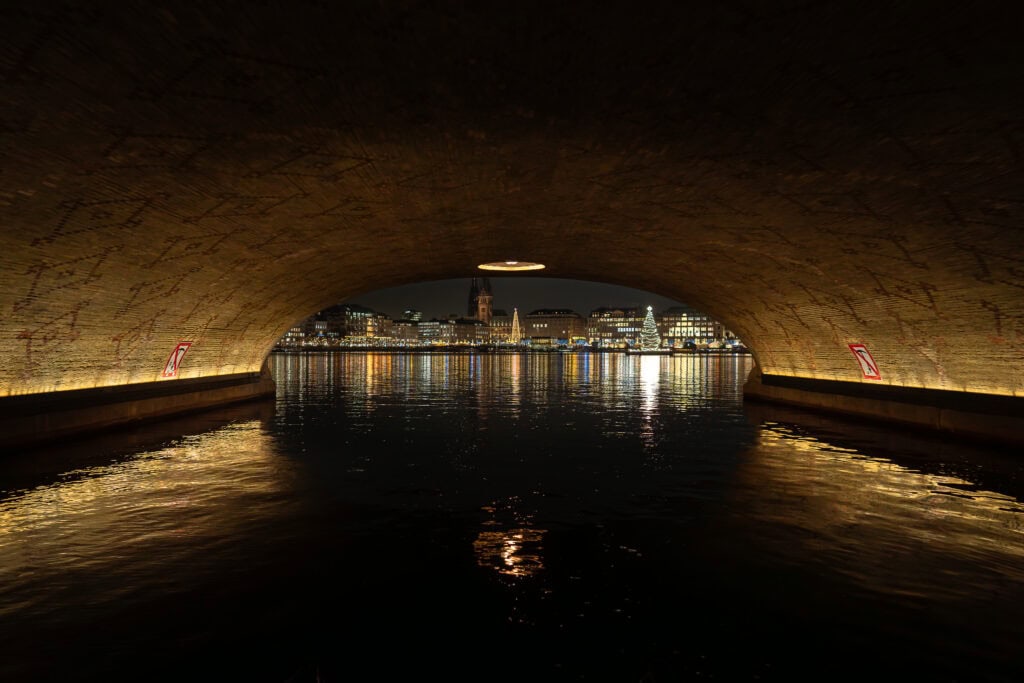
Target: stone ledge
(975,416)
(40,418)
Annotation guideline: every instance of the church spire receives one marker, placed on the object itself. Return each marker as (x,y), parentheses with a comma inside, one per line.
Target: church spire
(474,291)
(480,300)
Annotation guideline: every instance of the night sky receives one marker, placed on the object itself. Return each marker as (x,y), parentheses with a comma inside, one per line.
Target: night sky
(440,297)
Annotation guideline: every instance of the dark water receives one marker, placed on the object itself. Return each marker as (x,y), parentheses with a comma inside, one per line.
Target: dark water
(511,517)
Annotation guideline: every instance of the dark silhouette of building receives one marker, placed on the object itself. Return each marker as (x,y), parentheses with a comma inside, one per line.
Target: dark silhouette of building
(474,291)
(481,300)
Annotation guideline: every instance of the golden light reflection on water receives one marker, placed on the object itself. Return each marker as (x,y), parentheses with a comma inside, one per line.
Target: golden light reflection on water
(205,485)
(515,552)
(642,385)
(650,377)
(515,381)
(866,516)
(512,552)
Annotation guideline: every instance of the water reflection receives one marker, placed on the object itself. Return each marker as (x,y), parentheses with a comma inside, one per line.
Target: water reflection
(878,523)
(509,543)
(148,499)
(681,379)
(569,506)
(515,382)
(650,376)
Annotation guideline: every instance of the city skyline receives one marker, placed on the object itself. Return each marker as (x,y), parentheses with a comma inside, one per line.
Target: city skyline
(441,298)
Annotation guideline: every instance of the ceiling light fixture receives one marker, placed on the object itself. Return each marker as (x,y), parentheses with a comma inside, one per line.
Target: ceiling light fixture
(511,265)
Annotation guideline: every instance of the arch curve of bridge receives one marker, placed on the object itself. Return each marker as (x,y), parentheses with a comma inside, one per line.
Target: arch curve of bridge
(210,174)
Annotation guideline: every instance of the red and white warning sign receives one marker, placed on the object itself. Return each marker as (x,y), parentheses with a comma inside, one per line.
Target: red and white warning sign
(171,368)
(867,364)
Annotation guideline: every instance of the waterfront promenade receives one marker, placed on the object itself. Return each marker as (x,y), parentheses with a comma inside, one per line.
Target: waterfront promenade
(468,348)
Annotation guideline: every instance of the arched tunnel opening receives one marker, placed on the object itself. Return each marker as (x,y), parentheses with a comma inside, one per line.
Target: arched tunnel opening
(851,209)
(551,312)
(221,183)
(838,184)
(568,505)
(194,330)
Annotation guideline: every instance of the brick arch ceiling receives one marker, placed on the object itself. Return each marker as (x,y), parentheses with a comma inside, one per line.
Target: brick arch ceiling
(812,175)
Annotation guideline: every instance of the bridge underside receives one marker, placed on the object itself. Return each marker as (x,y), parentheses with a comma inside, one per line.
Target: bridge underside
(815,176)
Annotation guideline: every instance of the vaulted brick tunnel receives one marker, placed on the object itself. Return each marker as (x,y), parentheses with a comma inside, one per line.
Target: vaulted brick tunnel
(814,176)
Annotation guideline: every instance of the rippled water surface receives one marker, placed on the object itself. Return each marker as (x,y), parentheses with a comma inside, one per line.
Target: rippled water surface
(511,517)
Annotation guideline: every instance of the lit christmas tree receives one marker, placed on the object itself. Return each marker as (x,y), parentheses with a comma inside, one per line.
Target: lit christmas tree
(517,332)
(649,337)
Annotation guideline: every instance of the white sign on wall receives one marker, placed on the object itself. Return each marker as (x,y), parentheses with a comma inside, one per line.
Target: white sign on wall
(171,367)
(867,364)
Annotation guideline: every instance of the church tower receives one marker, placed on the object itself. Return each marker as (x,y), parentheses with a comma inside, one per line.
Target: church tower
(484,301)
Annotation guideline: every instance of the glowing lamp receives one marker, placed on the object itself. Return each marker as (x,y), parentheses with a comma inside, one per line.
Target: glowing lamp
(511,265)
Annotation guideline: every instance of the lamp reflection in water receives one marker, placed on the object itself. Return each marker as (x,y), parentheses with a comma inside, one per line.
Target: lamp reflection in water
(516,383)
(650,377)
(862,515)
(513,552)
(170,500)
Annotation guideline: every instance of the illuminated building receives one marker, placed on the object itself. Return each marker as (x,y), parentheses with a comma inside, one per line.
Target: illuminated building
(501,326)
(293,337)
(453,331)
(469,331)
(614,327)
(681,324)
(345,323)
(436,331)
(405,332)
(553,324)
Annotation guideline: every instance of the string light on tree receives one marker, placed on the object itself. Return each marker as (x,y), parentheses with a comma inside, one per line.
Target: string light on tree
(649,337)
(517,332)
